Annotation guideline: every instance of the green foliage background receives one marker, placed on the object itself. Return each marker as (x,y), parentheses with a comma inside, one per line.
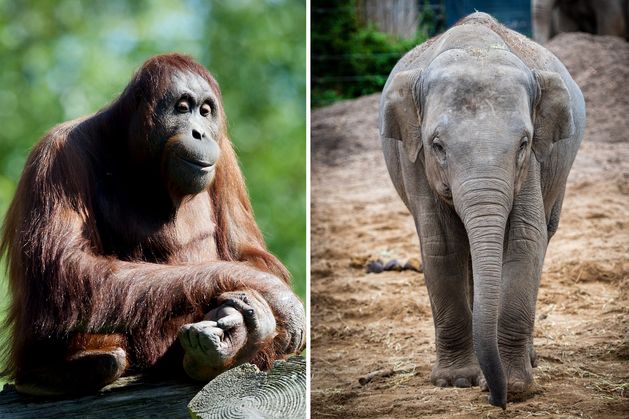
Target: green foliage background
(350,58)
(65,58)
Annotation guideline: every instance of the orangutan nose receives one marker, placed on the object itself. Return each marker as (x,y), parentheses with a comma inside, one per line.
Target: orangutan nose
(197,135)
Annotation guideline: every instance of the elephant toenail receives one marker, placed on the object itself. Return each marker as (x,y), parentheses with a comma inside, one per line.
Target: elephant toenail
(517,387)
(462,382)
(441,383)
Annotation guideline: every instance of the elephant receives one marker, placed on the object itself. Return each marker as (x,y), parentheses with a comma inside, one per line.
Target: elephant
(479,127)
(599,17)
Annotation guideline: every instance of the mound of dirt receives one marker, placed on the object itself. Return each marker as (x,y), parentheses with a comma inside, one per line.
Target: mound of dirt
(364,323)
(600,66)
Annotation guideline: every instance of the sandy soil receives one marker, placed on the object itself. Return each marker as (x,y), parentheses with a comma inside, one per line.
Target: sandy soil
(367,322)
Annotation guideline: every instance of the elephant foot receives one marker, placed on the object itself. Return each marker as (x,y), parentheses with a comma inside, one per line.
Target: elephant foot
(519,368)
(518,386)
(467,376)
(519,380)
(515,385)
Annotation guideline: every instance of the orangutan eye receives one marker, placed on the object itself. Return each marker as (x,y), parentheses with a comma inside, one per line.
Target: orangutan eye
(182,106)
(206,109)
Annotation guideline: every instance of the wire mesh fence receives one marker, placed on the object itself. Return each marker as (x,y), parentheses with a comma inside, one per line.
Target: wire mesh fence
(351,57)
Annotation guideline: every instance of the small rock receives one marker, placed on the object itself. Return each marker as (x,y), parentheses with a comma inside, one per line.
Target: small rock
(375,266)
(392,265)
(413,264)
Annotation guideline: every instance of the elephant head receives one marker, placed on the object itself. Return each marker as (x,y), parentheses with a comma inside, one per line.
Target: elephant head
(474,120)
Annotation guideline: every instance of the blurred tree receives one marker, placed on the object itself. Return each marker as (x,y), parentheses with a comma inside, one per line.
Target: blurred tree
(395,17)
(66,58)
(348,58)
(265,61)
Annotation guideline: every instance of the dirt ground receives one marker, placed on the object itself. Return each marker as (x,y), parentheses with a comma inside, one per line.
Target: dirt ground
(367,322)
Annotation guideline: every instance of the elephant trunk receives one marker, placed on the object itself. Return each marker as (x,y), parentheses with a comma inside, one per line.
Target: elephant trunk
(484,205)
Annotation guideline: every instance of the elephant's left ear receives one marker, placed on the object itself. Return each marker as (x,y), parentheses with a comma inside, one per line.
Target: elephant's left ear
(399,112)
(553,115)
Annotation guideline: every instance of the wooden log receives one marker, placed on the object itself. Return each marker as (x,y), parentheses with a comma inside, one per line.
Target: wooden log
(235,393)
(129,397)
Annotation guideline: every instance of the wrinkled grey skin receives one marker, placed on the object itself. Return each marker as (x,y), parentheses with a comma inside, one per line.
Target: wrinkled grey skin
(479,129)
(600,17)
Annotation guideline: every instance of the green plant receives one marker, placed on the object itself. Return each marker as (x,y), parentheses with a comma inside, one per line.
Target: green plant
(349,60)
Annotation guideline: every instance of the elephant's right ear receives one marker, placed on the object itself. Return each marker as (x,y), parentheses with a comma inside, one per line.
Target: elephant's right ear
(400,113)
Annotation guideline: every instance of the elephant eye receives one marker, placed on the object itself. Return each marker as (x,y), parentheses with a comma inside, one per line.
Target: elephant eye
(524,143)
(439,150)
(437,146)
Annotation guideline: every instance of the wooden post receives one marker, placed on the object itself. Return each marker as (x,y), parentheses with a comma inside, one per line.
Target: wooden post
(395,17)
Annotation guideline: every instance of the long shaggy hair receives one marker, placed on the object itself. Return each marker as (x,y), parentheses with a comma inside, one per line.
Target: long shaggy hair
(63,284)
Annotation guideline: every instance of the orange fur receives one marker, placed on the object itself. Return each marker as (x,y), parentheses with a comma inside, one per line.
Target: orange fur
(87,271)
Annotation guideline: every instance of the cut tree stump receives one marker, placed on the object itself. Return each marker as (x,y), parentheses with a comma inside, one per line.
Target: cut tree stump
(141,397)
(246,392)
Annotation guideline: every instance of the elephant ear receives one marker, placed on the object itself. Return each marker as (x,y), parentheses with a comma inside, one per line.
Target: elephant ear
(553,115)
(400,113)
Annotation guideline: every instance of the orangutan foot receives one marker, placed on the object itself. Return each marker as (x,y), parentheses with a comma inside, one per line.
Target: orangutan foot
(229,335)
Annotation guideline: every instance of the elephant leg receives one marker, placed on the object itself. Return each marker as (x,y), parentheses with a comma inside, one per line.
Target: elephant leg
(526,244)
(446,258)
